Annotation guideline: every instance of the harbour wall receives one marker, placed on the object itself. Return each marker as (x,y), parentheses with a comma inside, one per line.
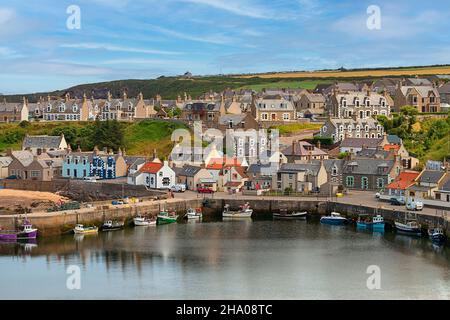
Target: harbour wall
(56,223)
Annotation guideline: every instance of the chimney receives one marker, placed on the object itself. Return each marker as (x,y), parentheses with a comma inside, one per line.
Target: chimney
(318,144)
(67,96)
(154,154)
(125,95)
(293,147)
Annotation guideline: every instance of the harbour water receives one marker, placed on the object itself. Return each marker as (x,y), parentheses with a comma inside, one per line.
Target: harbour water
(227,260)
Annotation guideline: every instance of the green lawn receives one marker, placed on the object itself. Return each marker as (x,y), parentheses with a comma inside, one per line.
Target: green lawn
(296,127)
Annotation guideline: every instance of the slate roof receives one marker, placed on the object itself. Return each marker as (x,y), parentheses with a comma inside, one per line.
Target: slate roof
(301,149)
(394,139)
(47,142)
(189,171)
(235,118)
(367,166)
(446,186)
(5,161)
(310,168)
(423,90)
(371,143)
(431,176)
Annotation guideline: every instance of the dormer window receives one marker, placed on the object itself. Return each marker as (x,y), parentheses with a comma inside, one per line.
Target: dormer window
(357,102)
(130,107)
(75,108)
(344,103)
(383,103)
(62,107)
(49,108)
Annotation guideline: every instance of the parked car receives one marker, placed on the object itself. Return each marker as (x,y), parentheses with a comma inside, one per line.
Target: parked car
(396,202)
(415,205)
(377,195)
(90,179)
(117,202)
(178,188)
(204,190)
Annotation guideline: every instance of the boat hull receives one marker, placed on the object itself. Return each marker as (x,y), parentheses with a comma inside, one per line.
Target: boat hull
(370,225)
(238,215)
(333,221)
(18,235)
(143,223)
(293,216)
(407,230)
(165,220)
(86,231)
(437,238)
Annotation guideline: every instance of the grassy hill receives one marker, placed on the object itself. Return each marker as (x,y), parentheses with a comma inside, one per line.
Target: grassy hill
(171,87)
(139,138)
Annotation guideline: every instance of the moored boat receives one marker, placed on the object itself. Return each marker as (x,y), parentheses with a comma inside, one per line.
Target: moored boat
(284,214)
(193,213)
(244,212)
(334,218)
(141,221)
(112,225)
(375,223)
(80,229)
(436,235)
(165,217)
(409,227)
(25,232)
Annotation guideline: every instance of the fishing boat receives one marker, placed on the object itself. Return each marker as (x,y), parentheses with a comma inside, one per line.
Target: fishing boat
(409,227)
(284,214)
(334,218)
(25,232)
(80,229)
(141,221)
(436,235)
(375,223)
(193,213)
(165,217)
(244,212)
(112,225)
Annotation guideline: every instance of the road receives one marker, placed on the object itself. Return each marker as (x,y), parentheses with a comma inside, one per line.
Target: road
(361,198)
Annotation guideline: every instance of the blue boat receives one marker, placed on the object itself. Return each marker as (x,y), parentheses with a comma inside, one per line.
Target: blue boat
(334,218)
(375,224)
(436,235)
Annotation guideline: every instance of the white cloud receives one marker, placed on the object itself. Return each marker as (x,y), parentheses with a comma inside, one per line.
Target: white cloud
(239,7)
(108,47)
(6,15)
(214,39)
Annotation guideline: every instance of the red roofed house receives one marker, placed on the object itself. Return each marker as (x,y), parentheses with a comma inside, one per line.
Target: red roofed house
(154,175)
(405,179)
(227,172)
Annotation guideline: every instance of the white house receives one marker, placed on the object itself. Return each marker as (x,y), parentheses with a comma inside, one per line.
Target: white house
(154,175)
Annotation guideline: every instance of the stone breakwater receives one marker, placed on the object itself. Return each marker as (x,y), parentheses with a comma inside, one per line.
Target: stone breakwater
(56,223)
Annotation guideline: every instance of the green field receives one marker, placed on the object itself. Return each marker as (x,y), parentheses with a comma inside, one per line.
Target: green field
(139,138)
(303,84)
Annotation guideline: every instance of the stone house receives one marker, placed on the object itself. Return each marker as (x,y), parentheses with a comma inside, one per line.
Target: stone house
(423,98)
(426,184)
(27,166)
(303,151)
(4,164)
(14,112)
(370,174)
(359,105)
(339,128)
(42,144)
(300,177)
(310,105)
(273,108)
(194,177)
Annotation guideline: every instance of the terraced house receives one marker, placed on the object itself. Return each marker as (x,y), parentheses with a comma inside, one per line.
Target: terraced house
(126,109)
(370,174)
(359,105)
(339,128)
(102,165)
(67,109)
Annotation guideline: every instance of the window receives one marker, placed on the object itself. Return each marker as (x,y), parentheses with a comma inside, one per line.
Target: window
(35,173)
(68,172)
(350,181)
(75,108)
(380,183)
(364,183)
(264,116)
(285,116)
(334,171)
(160,173)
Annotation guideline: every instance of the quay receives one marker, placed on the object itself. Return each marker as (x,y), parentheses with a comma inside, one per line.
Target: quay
(56,223)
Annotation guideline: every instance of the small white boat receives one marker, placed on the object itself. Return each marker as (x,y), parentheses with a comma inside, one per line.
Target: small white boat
(193,213)
(284,214)
(334,218)
(244,212)
(436,235)
(80,229)
(409,227)
(140,221)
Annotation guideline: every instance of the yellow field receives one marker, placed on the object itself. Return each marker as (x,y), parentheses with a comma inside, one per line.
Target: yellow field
(356,74)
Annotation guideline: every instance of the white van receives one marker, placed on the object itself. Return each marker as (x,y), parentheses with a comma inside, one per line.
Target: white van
(178,188)
(414,205)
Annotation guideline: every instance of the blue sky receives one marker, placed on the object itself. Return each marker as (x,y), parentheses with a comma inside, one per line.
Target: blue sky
(142,39)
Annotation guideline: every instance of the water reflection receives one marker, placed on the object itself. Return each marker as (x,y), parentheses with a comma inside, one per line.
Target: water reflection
(285,256)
